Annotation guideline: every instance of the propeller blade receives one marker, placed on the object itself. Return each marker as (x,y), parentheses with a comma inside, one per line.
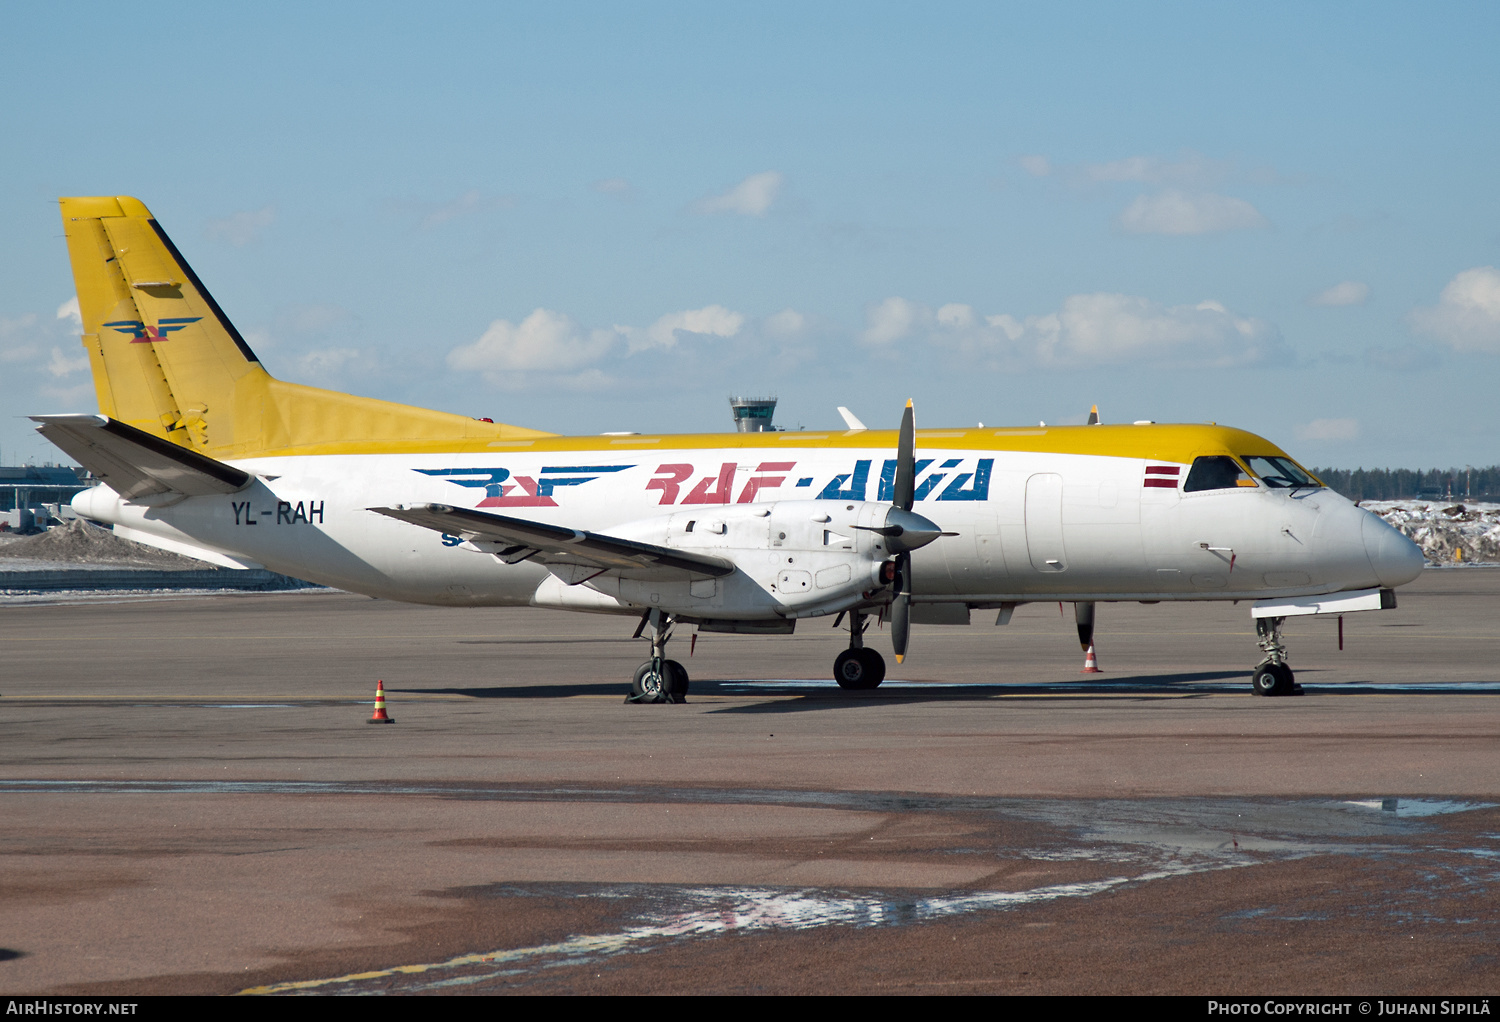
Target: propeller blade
(906,460)
(1084,614)
(901,607)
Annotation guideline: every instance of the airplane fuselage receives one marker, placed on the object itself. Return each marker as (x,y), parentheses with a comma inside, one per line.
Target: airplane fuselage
(1029,524)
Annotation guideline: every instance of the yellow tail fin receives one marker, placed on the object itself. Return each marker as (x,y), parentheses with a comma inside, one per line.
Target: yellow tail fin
(167,360)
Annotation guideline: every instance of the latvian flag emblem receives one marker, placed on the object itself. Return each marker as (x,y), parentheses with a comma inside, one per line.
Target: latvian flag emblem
(1163,475)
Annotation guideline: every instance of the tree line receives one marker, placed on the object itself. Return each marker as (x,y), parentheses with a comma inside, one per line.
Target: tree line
(1396,483)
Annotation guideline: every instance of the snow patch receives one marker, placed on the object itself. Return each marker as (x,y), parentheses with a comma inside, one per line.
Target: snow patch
(1448,532)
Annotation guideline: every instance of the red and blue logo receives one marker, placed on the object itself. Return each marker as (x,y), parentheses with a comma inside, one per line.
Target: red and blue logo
(503,490)
(145,333)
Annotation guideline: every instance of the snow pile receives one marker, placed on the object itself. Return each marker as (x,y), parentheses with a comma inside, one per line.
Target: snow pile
(78,542)
(1448,533)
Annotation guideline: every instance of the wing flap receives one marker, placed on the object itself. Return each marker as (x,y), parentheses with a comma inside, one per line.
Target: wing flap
(559,545)
(136,464)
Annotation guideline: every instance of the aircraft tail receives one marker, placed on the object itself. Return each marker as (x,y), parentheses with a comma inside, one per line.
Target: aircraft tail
(167,361)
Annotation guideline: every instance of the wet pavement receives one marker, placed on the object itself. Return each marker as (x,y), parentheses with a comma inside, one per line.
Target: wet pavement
(1138,843)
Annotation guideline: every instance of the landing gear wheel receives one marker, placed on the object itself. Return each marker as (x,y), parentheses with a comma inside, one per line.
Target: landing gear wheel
(646,686)
(859,669)
(1274,680)
(670,686)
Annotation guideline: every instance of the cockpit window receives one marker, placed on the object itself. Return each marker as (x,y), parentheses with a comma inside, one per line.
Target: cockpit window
(1281,473)
(1216,472)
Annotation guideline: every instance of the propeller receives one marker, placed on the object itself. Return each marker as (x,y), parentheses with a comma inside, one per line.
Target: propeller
(903,498)
(904,531)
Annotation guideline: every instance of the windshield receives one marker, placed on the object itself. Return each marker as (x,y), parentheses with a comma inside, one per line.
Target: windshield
(1215,472)
(1282,473)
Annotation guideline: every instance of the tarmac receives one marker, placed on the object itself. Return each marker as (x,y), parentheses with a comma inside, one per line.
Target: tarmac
(193,802)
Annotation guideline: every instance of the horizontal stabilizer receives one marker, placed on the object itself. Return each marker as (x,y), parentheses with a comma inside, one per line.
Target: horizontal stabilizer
(516,539)
(136,464)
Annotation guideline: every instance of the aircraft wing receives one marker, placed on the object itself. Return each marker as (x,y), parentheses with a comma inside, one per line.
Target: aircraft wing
(135,463)
(516,539)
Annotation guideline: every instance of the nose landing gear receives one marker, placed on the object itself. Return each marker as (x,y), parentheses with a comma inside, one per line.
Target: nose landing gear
(658,680)
(858,667)
(1273,676)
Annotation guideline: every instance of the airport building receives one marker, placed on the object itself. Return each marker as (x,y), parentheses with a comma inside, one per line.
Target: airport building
(753,414)
(32,495)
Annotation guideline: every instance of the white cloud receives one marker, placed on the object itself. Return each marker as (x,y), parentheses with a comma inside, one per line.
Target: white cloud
(1036,166)
(1467,315)
(1190,170)
(1349,292)
(1193,169)
(240,229)
(1330,430)
(69,310)
(1101,329)
(1179,213)
(711,320)
(61,365)
(616,186)
(1088,330)
(544,341)
(892,320)
(753,196)
(467,205)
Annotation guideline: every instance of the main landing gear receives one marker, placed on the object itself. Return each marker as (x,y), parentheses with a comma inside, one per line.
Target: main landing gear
(858,667)
(658,680)
(1273,677)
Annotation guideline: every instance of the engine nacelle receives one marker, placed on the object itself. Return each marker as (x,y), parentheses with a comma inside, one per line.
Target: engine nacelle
(794,558)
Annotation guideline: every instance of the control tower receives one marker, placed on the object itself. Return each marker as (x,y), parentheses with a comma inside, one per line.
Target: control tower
(753,414)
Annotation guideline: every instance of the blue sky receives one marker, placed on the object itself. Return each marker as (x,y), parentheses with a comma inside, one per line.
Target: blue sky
(589,217)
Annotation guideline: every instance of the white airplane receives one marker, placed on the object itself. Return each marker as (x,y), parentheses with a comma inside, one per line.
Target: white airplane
(202,452)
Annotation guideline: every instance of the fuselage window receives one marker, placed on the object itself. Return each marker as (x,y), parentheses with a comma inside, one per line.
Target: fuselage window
(1216,472)
(1282,473)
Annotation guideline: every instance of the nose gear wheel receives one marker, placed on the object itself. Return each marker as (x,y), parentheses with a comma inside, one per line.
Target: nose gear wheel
(858,668)
(1273,676)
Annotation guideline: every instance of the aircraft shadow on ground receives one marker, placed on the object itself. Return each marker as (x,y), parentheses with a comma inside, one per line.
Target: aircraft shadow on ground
(824,695)
(562,691)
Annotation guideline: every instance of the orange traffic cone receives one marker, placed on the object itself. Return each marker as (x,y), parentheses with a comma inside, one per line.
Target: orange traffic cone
(1090,665)
(380,717)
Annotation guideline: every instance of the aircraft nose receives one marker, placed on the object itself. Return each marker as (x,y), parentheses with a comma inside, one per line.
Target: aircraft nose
(1395,559)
